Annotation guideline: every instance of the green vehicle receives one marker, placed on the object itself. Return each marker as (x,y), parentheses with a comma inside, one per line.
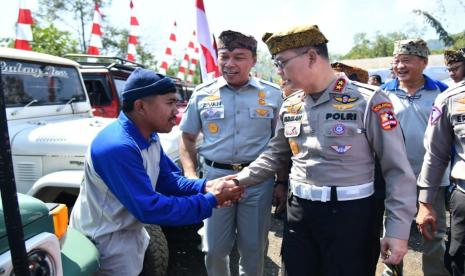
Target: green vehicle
(52,248)
(34,236)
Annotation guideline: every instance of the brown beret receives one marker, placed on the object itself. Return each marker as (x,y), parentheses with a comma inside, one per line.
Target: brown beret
(231,40)
(352,72)
(451,56)
(296,37)
(415,47)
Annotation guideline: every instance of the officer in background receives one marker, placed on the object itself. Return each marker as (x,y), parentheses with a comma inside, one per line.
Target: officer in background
(412,94)
(332,129)
(455,62)
(446,129)
(236,114)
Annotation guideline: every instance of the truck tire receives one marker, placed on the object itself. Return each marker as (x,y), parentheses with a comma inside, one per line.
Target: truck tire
(156,256)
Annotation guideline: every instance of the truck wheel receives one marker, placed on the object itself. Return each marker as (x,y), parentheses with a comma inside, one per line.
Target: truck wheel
(156,256)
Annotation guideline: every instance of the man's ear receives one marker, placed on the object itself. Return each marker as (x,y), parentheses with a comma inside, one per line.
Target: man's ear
(312,56)
(138,105)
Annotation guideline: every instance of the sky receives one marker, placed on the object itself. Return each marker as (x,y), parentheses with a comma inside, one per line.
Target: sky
(339,20)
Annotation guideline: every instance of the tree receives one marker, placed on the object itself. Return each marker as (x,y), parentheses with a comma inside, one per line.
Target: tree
(381,46)
(52,41)
(443,34)
(80,11)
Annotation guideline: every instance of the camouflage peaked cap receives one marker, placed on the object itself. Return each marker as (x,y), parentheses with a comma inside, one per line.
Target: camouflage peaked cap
(415,47)
(296,37)
(451,56)
(231,40)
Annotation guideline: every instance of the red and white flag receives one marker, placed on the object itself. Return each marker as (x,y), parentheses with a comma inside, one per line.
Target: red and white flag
(193,51)
(133,34)
(183,67)
(96,36)
(208,60)
(23,27)
(168,57)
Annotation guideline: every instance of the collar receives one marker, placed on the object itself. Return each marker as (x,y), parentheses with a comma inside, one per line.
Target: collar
(134,132)
(252,82)
(394,84)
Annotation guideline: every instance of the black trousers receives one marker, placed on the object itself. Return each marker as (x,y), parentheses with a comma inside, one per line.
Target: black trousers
(455,253)
(329,238)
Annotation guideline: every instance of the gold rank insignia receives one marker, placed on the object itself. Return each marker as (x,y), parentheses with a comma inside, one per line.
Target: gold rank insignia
(213,128)
(261,94)
(261,112)
(340,84)
(462,101)
(343,106)
(212,98)
(261,102)
(345,99)
(295,108)
(294,146)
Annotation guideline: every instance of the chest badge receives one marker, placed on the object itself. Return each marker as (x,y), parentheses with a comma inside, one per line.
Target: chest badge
(339,129)
(343,106)
(261,98)
(213,128)
(261,112)
(462,101)
(345,99)
(341,149)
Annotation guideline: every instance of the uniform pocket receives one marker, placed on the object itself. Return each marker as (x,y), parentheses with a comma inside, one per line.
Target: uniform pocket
(260,123)
(212,120)
(340,139)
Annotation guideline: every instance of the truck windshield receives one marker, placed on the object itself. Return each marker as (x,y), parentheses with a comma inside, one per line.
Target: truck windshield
(45,84)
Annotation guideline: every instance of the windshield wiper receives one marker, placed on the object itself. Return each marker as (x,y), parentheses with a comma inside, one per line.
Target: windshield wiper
(24,107)
(68,102)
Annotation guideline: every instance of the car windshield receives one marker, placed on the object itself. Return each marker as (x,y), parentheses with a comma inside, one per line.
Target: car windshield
(39,83)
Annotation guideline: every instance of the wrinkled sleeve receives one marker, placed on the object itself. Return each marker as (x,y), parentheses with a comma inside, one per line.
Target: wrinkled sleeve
(387,142)
(437,141)
(269,161)
(122,170)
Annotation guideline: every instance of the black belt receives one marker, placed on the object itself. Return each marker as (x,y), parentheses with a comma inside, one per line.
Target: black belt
(233,167)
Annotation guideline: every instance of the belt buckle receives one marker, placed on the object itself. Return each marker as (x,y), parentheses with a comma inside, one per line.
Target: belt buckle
(236,167)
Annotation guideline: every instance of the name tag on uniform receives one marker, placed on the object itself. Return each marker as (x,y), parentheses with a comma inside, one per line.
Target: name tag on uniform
(292,129)
(213,113)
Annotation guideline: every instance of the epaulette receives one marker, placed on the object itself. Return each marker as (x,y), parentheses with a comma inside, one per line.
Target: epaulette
(205,85)
(364,88)
(272,84)
(452,91)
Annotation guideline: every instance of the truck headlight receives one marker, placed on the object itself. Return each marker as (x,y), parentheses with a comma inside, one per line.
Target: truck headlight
(41,263)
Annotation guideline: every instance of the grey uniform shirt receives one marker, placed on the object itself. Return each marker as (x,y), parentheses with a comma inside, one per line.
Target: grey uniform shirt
(236,124)
(446,128)
(413,113)
(332,142)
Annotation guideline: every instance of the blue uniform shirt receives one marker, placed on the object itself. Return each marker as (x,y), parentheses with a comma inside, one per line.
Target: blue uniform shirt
(236,124)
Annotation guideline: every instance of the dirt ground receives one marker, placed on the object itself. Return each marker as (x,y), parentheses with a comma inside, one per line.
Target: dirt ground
(187,259)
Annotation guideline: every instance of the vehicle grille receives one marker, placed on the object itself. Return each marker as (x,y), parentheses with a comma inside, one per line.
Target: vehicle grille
(26,171)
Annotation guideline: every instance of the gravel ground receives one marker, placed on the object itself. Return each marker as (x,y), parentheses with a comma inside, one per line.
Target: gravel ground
(187,259)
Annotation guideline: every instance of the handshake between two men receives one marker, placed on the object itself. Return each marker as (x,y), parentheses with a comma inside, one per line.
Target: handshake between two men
(225,189)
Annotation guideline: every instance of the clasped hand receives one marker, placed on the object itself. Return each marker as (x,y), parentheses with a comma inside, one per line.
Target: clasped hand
(225,190)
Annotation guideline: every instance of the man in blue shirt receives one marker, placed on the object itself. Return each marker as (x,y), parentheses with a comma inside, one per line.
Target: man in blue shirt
(129,180)
(412,95)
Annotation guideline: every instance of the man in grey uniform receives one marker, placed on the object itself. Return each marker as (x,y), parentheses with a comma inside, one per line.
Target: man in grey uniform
(236,114)
(412,94)
(332,129)
(455,62)
(446,129)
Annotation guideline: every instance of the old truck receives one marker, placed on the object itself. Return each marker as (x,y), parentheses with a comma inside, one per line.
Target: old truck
(51,125)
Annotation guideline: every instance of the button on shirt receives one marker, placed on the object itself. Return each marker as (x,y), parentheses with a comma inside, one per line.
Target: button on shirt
(236,124)
(413,113)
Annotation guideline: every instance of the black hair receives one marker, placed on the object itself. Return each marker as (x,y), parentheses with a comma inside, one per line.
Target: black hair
(127,106)
(377,77)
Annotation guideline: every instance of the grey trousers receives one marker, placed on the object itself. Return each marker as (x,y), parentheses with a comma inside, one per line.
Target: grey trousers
(246,222)
(433,250)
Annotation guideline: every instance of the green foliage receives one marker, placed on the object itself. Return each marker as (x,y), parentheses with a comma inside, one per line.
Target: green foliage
(52,41)
(443,34)
(380,46)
